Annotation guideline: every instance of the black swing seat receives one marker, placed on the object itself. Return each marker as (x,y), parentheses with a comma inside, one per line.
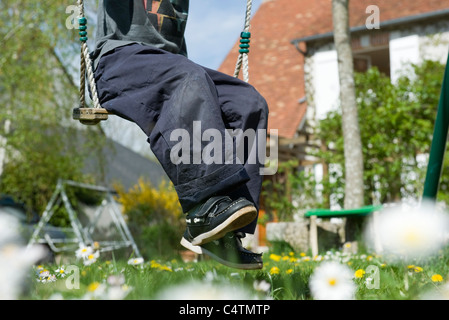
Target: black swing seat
(90,116)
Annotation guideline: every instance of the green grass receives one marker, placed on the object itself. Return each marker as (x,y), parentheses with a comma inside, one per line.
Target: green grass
(287,274)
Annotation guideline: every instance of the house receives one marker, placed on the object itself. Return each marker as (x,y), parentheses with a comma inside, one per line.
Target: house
(293,62)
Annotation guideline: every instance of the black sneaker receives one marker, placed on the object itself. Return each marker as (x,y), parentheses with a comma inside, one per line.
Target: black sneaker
(228,251)
(217,216)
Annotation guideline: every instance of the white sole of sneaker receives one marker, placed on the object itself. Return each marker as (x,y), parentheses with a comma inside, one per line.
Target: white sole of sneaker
(199,250)
(186,244)
(238,220)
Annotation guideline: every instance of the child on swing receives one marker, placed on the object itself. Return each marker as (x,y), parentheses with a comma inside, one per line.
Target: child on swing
(143,75)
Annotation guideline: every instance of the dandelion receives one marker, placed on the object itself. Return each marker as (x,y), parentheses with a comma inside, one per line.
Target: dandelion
(417,269)
(436,278)
(275,257)
(407,234)
(289,271)
(135,261)
(359,273)
(274,270)
(332,281)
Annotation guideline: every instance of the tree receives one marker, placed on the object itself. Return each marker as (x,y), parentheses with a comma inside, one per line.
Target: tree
(350,120)
(397,127)
(37,93)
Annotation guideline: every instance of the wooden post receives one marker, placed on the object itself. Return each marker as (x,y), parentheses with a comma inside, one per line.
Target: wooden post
(313,236)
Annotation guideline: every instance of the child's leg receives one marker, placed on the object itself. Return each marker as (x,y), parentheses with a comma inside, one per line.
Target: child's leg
(169,96)
(244,108)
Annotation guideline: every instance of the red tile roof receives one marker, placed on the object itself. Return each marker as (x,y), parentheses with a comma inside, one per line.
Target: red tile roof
(277,68)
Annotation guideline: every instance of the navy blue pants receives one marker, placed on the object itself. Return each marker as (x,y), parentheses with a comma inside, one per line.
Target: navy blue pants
(174,100)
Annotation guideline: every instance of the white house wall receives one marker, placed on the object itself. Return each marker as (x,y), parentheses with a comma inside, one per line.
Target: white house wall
(403,52)
(326,83)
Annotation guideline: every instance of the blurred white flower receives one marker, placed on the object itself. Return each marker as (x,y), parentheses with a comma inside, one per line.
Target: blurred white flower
(102,291)
(15,259)
(332,281)
(407,233)
(114,280)
(135,261)
(9,229)
(204,290)
(440,293)
(262,286)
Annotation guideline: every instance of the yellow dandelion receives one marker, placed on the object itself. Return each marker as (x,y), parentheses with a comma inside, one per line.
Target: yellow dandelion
(274,270)
(291,253)
(437,278)
(359,273)
(285,258)
(417,269)
(289,271)
(302,254)
(275,257)
(93,286)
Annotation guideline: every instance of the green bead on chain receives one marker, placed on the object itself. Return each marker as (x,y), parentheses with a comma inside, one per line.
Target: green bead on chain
(244,42)
(83,33)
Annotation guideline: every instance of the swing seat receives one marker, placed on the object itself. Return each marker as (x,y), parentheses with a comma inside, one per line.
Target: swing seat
(90,116)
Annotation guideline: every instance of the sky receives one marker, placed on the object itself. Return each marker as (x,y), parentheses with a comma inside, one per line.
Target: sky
(213,27)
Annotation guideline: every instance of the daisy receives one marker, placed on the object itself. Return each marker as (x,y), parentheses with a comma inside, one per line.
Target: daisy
(407,234)
(332,281)
(60,272)
(135,261)
(91,258)
(83,252)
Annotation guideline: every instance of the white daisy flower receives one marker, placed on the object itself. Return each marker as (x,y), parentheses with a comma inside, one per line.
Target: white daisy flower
(91,258)
(135,261)
(83,252)
(332,281)
(408,233)
(60,272)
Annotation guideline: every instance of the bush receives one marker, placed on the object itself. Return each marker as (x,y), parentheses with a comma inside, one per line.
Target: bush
(154,217)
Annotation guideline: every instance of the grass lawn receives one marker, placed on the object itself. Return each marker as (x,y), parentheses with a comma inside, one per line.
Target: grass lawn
(285,276)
